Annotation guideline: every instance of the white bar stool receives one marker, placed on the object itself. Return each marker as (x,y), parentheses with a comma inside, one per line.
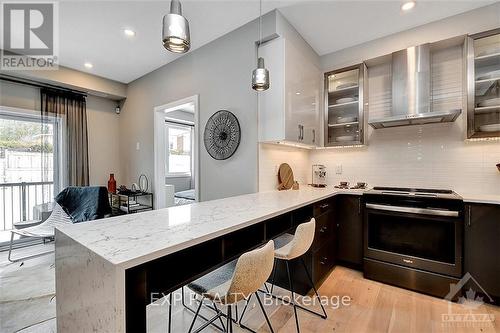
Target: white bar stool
(234,282)
(290,247)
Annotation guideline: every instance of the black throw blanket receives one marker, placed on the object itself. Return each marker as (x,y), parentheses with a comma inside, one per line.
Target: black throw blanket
(84,203)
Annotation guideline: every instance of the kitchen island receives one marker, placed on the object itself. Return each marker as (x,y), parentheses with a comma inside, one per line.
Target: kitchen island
(106,270)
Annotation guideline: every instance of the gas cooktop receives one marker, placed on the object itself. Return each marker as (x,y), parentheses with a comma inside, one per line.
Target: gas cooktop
(417,192)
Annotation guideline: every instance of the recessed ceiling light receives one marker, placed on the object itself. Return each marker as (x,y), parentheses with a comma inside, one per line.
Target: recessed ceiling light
(88,65)
(297,93)
(408,5)
(129,32)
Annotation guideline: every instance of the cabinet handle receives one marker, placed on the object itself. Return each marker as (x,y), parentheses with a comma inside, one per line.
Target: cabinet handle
(314,136)
(469,213)
(359,206)
(323,206)
(300,132)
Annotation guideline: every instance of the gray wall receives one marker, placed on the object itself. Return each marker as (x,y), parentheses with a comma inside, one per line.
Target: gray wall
(74,79)
(180,183)
(220,73)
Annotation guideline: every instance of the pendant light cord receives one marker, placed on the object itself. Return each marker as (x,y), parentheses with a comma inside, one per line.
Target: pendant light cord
(260,27)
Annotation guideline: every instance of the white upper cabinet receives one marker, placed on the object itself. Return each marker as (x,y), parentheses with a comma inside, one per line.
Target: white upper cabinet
(289,109)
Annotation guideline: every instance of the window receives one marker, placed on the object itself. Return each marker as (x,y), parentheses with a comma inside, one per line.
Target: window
(179,157)
(25,143)
(28,166)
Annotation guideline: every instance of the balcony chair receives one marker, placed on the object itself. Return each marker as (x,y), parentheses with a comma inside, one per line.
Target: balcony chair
(72,205)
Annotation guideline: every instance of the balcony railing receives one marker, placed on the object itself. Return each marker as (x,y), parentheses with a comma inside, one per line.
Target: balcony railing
(18,201)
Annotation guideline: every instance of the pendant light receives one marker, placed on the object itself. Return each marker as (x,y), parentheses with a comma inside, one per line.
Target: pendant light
(176,30)
(260,75)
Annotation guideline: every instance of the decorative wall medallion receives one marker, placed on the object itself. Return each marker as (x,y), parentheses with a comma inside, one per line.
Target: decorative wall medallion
(222,135)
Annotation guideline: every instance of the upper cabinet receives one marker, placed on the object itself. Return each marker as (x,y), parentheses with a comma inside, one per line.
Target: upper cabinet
(483,85)
(289,109)
(345,95)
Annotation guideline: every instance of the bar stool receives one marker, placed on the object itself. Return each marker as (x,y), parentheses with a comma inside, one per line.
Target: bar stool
(234,282)
(290,247)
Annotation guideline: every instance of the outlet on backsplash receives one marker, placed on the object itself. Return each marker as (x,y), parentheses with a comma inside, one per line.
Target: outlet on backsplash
(338,169)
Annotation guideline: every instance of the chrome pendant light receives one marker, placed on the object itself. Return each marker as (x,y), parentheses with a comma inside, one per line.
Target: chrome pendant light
(176,30)
(260,75)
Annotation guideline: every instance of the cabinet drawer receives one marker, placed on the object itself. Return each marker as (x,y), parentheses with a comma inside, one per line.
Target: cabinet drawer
(323,261)
(323,207)
(325,229)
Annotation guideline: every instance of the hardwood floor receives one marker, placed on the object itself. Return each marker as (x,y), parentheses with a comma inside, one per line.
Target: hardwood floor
(374,307)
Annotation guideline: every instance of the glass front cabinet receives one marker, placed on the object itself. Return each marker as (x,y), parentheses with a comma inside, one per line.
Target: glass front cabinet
(345,95)
(483,85)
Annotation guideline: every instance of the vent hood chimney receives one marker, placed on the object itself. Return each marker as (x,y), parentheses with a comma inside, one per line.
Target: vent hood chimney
(411,91)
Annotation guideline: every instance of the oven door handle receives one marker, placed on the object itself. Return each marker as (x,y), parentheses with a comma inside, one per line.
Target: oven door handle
(413,210)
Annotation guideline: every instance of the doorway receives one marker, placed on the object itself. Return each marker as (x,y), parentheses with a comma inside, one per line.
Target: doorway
(176,150)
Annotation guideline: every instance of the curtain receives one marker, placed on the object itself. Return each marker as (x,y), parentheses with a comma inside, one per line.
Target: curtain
(68,112)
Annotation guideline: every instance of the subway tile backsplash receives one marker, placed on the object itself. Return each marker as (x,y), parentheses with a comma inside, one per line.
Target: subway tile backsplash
(435,156)
(271,156)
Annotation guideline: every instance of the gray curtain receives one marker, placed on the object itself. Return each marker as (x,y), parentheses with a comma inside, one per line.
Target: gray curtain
(71,155)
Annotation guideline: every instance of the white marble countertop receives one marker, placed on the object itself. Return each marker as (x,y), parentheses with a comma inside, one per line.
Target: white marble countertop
(481,198)
(130,240)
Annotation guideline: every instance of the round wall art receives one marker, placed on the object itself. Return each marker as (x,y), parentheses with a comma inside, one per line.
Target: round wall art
(222,135)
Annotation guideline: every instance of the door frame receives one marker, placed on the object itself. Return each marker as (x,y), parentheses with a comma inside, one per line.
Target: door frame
(160,148)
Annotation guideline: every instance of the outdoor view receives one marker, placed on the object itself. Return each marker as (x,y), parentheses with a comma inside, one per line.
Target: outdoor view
(179,149)
(26,169)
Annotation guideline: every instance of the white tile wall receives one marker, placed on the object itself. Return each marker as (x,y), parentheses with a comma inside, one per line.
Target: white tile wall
(271,156)
(435,156)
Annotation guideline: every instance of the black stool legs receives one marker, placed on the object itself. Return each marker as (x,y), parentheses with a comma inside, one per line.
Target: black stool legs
(290,284)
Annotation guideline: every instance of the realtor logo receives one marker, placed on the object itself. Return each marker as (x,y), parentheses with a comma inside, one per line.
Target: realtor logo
(30,35)
(471,302)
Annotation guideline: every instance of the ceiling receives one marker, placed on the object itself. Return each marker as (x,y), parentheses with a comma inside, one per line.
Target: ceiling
(92,31)
(330,26)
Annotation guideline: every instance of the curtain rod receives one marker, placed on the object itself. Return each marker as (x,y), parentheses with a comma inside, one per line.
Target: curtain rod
(37,84)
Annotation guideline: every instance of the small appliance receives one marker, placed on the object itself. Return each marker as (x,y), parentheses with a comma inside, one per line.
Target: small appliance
(318,175)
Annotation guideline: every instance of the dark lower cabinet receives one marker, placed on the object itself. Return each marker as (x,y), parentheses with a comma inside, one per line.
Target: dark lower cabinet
(349,220)
(320,259)
(482,249)
(323,260)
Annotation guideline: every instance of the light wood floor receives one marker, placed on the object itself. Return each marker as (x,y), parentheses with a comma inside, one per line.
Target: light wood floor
(375,307)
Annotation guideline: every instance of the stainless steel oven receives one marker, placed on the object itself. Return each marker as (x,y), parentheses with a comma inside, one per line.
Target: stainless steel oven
(412,229)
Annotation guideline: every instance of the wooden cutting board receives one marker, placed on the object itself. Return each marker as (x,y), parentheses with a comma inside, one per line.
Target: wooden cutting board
(285,177)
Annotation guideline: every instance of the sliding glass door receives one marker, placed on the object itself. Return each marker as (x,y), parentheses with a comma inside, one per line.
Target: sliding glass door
(28,168)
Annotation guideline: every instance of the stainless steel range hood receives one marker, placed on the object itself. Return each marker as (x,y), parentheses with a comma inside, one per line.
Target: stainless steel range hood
(411,91)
